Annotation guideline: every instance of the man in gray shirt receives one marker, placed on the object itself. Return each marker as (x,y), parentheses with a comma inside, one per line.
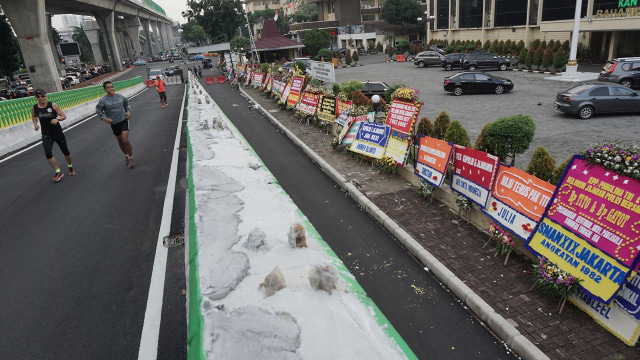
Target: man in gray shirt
(114,109)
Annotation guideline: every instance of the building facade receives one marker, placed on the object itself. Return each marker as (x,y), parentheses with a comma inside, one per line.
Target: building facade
(283,7)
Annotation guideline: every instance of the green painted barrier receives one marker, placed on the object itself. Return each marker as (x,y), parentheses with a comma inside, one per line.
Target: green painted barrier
(17,111)
(152,5)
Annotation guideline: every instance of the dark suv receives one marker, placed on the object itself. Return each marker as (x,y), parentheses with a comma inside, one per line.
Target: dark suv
(484,60)
(451,61)
(624,71)
(374,88)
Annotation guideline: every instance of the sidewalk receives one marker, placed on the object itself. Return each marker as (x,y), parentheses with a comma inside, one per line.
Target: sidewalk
(570,335)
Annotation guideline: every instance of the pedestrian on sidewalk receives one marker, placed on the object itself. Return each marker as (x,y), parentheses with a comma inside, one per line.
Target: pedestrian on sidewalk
(114,109)
(50,115)
(163,95)
(199,71)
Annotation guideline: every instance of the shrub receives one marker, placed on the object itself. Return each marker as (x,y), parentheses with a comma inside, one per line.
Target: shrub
(494,46)
(537,56)
(347,58)
(544,44)
(355,56)
(419,49)
(339,55)
(535,43)
(557,172)
(522,56)
(566,45)
(481,141)
(379,47)
(500,46)
(520,45)
(542,164)
(529,60)
(335,88)
(404,44)
(335,54)
(449,49)
(509,136)
(317,58)
(390,90)
(487,45)
(460,49)
(264,68)
(359,98)
(556,45)
(349,87)
(457,134)
(325,53)
(471,47)
(478,44)
(390,51)
(547,58)
(300,65)
(441,125)
(507,45)
(425,127)
(559,59)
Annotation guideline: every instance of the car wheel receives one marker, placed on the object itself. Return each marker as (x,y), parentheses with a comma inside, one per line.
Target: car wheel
(421,64)
(626,82)
(457,91)
(499,89)
(449,67)
(503,67)
(472,68)
(585,112)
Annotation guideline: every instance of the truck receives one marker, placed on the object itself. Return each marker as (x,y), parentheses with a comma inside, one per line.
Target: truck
(153,72)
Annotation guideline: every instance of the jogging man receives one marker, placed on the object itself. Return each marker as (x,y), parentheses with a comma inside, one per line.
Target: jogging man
(161,92)
(114,110)
(50,116)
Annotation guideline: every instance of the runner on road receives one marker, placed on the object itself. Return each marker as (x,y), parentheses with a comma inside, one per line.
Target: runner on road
(50,116)
(163,95)
(114,109)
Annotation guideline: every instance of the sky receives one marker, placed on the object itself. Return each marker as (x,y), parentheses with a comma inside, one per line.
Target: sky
(174,9)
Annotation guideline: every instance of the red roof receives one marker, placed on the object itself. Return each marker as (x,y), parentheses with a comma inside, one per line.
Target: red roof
(272,39)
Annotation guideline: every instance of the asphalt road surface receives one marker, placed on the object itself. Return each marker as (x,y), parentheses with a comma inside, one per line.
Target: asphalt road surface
(76,256)
(427,316)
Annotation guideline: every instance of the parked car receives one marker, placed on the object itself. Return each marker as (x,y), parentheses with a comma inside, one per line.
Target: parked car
(64,83)
(7,93)
(587,100)
(427,58)
(451,61)
(484,60)
(468,82)
(152,73)
(170,71)
(374,88)
(439,48)
(139,63)
(22,91)
(106,68)
(72,80)
(207,63)
(623,71)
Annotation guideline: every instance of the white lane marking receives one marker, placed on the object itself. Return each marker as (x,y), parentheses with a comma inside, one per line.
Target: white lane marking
(64,130)
(151,327)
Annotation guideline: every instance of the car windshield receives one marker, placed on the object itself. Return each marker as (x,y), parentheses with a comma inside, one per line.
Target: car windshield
(578,89)
(171,68)
(154,72)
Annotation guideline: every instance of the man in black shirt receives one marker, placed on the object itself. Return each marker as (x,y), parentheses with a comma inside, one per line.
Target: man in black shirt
(50,116)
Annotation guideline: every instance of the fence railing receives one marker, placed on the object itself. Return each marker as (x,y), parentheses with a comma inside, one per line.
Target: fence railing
(17,111)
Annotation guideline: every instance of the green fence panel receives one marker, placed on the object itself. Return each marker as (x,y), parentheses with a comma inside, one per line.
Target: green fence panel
(17,111)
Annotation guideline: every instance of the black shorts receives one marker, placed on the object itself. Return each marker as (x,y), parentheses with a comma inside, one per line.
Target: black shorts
(47,144)
(163,95)
(120,127)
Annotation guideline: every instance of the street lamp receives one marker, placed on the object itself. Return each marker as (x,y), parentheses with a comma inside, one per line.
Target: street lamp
(376,101)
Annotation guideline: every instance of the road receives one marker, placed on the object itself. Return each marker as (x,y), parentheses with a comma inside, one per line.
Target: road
(76,256)
(428,317)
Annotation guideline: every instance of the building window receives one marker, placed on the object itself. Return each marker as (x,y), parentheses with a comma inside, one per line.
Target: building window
(257,3)
(605,5)
(443,14)
(470,13)
(275,2)
(381,2)
(561,10)
(367,4)
(510,13)
(265,3)
(331,8)
(368,17)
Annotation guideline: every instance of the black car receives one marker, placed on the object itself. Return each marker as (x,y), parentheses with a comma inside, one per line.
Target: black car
(587,100)
(207,63)
(22,91)
(484,60)
(106,68)
(451,61)
(7,93)
(623,71)
(439,48)
(467,82)
(374,88)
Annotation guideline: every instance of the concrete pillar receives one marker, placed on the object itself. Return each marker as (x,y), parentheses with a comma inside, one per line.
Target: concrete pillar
(613,44)
(29,22)
(163,36)
(54,50)
(156,37)
(147,35)
(169,30)
(92,30)
(106,21)
(132,28)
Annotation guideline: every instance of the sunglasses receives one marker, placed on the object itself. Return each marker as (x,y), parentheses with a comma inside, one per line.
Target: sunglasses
(40,96)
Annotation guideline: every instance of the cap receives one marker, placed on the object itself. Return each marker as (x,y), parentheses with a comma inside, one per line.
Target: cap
(157,76)
(40,92)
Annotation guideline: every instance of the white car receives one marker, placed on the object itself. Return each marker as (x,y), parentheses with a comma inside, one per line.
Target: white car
(155,72)
(72,80)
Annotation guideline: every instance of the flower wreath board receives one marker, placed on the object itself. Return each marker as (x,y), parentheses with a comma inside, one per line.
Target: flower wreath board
(266,86)
(371,139)
(592,227)
(432,160)
(295,90)
(518,200)
(257,79)
(249,75)
(351,122)
(341,106)
(402,116)
(327,109)
(353,129)
(308,104)
(473,173)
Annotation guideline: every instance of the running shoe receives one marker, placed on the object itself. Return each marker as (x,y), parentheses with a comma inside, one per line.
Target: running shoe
(71,171)
(126,160)
(162,105)
(58,176)
(131,164)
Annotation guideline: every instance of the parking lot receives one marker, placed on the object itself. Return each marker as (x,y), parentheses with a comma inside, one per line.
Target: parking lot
(533,94)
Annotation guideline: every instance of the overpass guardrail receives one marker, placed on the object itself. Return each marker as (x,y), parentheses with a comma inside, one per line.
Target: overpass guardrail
(17,111)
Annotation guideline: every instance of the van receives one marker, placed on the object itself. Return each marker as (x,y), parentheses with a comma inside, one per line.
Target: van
(207,63)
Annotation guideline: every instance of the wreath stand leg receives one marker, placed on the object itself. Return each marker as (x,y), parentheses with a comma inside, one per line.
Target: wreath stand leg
(507,258)
(561,305)
(430,201)
(496,254)
(533,286)
(468,216)
(486,243)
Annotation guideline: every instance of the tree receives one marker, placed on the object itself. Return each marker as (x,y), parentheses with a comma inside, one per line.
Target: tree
(559,59)
(528,61)
(542,164)
(441,125)
(481,141)
(9,44)
(557,172)
(325,53)
(239,42)
(401,12)
(537,56)
(347,58)
(547,58)
(487,45)
(457,134)
(425,127)
(193,32)
(522,56)
(86,54)
(314,40)
(509,136)
(355,56)
(216,17)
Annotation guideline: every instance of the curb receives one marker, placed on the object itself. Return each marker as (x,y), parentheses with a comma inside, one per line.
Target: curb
(538,71)
(522,346)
